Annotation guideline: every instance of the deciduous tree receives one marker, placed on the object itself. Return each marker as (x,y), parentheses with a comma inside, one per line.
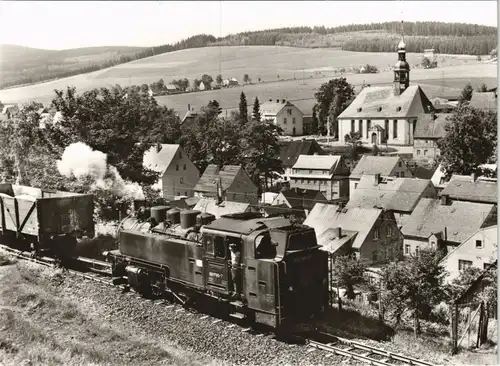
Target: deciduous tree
(470,140)
(207,80)
(348,272)
(218,79)
(246,78)
(466,94)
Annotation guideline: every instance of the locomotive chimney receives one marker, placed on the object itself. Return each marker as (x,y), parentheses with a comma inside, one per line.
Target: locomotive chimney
(376,179)
(338,232)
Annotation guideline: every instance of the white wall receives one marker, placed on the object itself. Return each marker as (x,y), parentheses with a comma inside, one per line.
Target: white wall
(404,137)
(289,125)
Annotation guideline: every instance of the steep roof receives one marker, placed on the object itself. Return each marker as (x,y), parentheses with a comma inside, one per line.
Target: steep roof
(463,187)
(431,126)
(291,150)
(486,100)
(325,216)
(398,194)
(303,198)
(331,243)
(371,165)
(273,108)
(324,162)
(461,219)
(381,101)
(159,161)
(279,210)
(225,208)
(212,175)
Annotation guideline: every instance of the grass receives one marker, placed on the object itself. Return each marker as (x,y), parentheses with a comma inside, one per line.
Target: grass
(39,327)
(316,66)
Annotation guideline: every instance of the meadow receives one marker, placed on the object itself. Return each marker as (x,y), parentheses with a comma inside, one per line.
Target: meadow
(301,72)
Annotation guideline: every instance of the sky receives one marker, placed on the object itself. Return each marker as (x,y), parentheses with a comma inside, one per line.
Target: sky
(63,25)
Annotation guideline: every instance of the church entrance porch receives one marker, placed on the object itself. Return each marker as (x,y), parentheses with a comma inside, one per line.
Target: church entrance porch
(377,135)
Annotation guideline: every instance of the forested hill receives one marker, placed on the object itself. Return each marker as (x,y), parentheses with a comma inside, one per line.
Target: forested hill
(450,38)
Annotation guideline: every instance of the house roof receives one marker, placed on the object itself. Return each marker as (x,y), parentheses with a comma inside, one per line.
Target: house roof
(291,150)
(159,161)
(273,108)
(324,162)
(381,101)
(431,126)
(279,210)
(303,198)
(463,187)
(461,219)
(371,165)
(422,172)
(487,100)
(212,175)
(330,243)
(398,194)
(326,216)
(225,208)
(170,87)
(438,176)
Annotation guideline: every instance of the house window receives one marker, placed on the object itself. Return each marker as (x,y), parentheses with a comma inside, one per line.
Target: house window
(433,244)
(314,181)
(178,193)
(418,152)
(180,155)
(389,231)
(395,129)
(479,244)
(246,195)
(425,152)
(234,196)
(289,111)
(182,180)
(400,164)
(355,185)
(177,168)
(417,248)
(407,249)
(463,264)
(375,235)
(293,120)
(402,174)
(184,166)
(284,121)
(310,171)
(352,125)
(185,193)
(374,255)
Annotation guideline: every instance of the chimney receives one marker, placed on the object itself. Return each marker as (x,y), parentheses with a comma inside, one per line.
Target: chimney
(337,232)
(189,107)
(445,199)
(283,101)
(270,99)
(376,179)
(277,100)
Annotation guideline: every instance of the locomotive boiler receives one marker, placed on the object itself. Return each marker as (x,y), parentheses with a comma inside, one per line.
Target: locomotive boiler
(283,272)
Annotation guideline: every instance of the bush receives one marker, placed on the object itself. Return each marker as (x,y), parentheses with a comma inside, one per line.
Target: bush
(440,314)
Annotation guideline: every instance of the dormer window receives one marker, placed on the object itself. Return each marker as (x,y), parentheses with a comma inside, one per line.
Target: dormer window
(398,109)
(379,109)
(359,109)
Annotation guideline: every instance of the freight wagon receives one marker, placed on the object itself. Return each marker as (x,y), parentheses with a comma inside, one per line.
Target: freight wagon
(47,221)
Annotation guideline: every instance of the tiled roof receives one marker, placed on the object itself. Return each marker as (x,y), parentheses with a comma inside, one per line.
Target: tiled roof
(225,208)
(484,100)
(323,162)
(461,219)
(398,194)
(438,91)
(212,174)
(303,198)
(326,216)
(370,165)
(381,101)
(279,210)
(159,161)
(330,243)
(463,187)
(431,126)
(273,108)
(291,150)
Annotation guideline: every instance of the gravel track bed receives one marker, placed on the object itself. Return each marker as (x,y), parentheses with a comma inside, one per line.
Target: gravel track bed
(226,342)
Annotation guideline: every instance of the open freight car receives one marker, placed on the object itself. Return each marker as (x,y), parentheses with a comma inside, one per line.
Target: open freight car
(187,253)
(46,221)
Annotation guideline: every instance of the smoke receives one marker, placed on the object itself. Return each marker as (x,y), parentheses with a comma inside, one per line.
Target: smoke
(80,161)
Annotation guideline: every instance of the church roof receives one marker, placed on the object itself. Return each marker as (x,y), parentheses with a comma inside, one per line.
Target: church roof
(382,102)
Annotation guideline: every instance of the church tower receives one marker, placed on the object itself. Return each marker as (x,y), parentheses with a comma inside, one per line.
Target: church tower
(401,70)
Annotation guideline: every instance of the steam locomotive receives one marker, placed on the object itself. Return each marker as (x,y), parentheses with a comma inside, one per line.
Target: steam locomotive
(186,253)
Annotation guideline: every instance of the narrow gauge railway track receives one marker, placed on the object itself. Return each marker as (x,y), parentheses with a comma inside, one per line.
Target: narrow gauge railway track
(315,340)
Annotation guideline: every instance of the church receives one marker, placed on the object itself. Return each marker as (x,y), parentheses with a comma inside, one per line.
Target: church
(387,114)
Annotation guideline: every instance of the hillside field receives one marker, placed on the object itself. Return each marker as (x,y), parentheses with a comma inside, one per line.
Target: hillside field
(310,67)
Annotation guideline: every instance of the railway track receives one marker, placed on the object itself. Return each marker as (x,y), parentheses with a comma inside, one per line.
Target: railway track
(100,271)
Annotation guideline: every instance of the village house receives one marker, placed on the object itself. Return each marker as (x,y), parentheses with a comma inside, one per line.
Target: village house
(178,174)
(327,174)
(398,195)
(388,166)
(368,233)
(444,224)
(479,250)
(283,114)
(471,188)
(387,114)
(188,116)
(230,82)
(281,210)
(430,129)
(300,200)
(229,183)
(171,89)
(291,150)
(487,100)
(443,105)
(218,209)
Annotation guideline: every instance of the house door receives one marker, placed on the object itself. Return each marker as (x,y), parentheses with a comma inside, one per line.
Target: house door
(374,138)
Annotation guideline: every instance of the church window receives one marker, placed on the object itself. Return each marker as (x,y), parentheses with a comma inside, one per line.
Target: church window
(395,129)
(352,125)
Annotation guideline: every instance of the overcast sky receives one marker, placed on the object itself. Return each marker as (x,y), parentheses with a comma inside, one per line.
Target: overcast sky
(61,25)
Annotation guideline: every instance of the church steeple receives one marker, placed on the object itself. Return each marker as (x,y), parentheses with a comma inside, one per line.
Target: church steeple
(402,68)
